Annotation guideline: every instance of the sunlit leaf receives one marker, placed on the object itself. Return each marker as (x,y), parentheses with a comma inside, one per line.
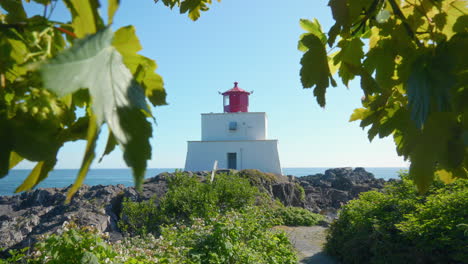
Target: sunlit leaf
(112,6)
(358,114)
(383,16)
(445,176)
(314,28)
(15,159)
(95,64)
(92,136)
(110,145)
(86,19)
(143,68)
(38,174)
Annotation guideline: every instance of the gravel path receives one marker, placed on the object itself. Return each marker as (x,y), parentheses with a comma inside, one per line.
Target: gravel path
(308,241)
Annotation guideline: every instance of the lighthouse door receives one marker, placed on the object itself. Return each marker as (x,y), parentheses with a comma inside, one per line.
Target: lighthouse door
(232,160)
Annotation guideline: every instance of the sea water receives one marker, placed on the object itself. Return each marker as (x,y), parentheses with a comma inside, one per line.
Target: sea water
(65,177)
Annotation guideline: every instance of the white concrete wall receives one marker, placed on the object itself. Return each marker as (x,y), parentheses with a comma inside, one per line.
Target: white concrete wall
(259,154)
(250,126)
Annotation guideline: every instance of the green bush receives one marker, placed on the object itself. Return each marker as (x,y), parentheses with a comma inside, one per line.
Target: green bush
(139,218)
(15,256)
(233,237)
(401,226)
(74,245)
(187,198)
(296,216)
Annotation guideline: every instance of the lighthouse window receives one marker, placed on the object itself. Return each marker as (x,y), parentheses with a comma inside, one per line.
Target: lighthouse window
(232,126)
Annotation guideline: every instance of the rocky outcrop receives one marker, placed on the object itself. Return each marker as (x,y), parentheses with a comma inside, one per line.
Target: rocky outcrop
(325,193)
(25,217)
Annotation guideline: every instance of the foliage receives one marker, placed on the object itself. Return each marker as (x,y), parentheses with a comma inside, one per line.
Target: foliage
(233,237)
(185,199)
(92,76)
(15,256)
(192,7)
(74,245)
(296,216)
(411,58)
(400,226)
(140,218)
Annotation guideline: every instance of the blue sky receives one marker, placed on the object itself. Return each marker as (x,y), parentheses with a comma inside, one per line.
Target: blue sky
(253,42)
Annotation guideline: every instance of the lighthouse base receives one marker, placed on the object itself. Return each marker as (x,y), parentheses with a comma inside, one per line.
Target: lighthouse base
(242,154)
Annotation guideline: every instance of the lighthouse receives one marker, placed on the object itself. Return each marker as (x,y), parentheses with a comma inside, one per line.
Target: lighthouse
(236,138)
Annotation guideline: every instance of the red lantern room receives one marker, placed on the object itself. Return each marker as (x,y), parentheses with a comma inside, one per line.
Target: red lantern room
(236,100)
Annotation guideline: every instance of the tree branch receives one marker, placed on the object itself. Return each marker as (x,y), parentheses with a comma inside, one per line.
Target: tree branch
(397,11)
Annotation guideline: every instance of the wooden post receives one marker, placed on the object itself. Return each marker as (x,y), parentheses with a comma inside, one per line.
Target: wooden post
(215,167)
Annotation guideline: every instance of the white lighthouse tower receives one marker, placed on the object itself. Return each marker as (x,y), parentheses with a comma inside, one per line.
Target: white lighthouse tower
(237,138)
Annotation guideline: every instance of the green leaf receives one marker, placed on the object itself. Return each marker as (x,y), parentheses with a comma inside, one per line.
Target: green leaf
(359,114)
(340,12)
(95,64)
(112,6)
(126,41)
(15,159)
(383,16)
(142,68)
(137,150)
(85,15)
(110,145)
(445,176)
(419,92)
(422,167)
(194,7)
(314,28)
(38,174)
(315,71)
(349,58)
(92,136)
(368,84)
(89,258)
(15,11)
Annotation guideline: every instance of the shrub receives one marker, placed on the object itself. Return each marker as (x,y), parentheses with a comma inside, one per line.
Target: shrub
(15,256)
(74,245)
(139,218)
(187,198)
(233,237)
(400,226)
(296,216)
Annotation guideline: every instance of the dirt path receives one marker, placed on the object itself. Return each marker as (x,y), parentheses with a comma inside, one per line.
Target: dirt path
(308,241)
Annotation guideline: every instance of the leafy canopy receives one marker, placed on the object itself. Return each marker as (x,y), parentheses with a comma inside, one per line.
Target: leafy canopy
(412,61)
(52,69)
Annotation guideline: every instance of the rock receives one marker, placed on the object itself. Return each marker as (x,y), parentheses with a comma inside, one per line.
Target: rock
(26,216)
(288,194)
(329,191)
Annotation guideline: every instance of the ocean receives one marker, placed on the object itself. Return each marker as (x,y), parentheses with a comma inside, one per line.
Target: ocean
(65,177)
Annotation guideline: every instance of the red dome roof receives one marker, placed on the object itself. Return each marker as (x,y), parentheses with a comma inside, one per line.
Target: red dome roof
(235,90)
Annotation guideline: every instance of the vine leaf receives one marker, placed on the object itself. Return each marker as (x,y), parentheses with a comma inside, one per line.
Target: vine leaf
(117,99)
(86,19)
(315,71)
(15,11)
(93,133)
(39,173)
(314,28)
(112,7)
(142,68)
